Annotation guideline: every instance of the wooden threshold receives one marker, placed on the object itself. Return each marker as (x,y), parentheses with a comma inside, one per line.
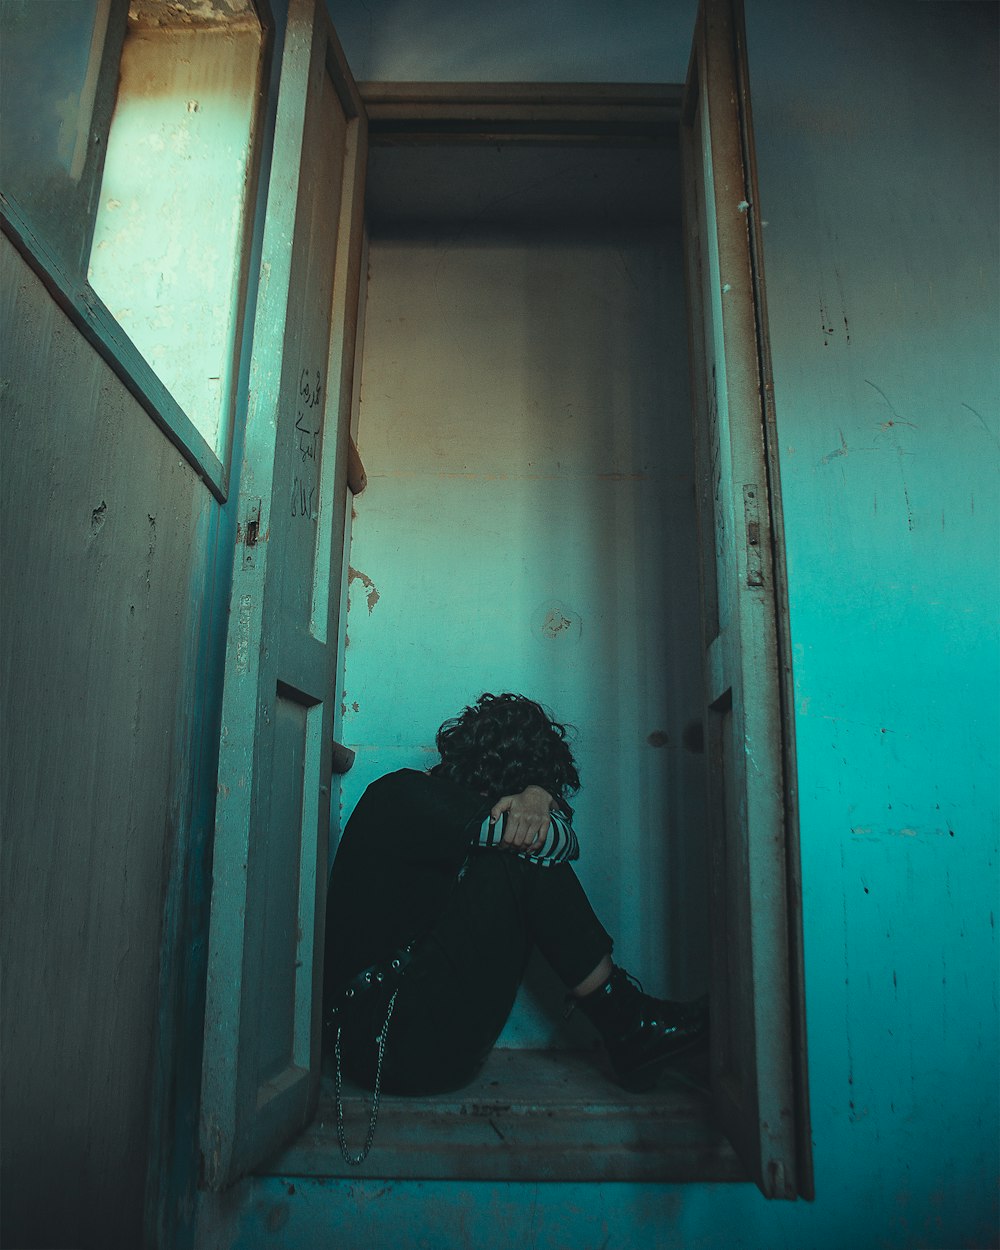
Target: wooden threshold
(530,1115)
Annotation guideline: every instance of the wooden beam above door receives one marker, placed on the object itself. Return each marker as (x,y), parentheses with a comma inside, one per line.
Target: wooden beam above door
(413,112)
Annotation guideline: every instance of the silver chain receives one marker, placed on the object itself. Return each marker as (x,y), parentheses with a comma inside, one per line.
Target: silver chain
(356,1160)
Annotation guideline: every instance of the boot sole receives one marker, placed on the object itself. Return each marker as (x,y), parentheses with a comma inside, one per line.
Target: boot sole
(646,1075)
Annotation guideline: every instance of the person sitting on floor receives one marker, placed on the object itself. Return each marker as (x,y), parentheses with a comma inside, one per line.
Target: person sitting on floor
(443,883)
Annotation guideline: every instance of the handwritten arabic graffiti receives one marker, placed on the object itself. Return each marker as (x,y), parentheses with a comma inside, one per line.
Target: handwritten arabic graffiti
(308,432)
(303,499)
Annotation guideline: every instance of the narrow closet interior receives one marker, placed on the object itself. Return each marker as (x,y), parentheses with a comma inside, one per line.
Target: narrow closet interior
(529,525)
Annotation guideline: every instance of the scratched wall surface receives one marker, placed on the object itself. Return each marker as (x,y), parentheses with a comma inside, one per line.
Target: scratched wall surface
(100,517)
(884,318)
(529,525)
(877,143)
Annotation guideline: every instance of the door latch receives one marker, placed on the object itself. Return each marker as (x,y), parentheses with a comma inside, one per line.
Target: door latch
(251,534)
(751,517)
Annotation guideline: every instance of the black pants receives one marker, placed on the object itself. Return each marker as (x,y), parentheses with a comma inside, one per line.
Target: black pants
(456,996)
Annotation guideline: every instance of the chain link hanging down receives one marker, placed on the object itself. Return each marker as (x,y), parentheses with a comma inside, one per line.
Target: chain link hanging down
(356,1160)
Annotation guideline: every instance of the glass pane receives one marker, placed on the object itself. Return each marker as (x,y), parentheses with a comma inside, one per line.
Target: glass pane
(168,239)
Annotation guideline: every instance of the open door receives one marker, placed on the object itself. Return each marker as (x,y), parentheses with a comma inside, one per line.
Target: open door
(757,1034)
(260,1077)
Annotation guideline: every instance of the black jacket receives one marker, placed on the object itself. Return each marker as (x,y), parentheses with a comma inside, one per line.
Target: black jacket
(395,868)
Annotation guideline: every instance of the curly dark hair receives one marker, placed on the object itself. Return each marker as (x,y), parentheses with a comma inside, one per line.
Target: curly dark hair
(503,743)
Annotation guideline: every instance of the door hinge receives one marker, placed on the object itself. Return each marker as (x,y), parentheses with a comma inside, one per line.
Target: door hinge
(751,516)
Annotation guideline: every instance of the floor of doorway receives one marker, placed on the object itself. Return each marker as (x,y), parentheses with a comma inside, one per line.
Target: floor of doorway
(530,1115)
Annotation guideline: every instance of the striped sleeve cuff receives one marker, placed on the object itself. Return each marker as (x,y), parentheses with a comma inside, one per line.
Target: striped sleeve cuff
(560,841)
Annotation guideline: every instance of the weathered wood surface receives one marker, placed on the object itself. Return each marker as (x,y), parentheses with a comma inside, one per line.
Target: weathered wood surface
(357,478)
(530,1115)
(752,1041)
(89,314)
(260,1072)
(419,112)
(102,539)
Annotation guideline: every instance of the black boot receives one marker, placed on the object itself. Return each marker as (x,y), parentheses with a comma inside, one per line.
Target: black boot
(642,1034)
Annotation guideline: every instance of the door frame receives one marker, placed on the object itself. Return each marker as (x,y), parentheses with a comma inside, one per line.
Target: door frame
(786,686)
(425,113)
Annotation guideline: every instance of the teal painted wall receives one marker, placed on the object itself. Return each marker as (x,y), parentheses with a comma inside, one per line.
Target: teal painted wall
(878,172)
(877,147)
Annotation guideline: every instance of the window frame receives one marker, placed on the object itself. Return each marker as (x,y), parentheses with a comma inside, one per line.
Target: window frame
(60,255)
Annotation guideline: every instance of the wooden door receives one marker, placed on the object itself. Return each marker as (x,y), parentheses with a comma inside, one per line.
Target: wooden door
(262,1024)
(756,971)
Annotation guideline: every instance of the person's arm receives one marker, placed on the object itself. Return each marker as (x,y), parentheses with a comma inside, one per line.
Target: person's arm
(531,825)
(525,818)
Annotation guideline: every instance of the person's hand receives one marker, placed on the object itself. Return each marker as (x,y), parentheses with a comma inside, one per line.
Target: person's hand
(527,824)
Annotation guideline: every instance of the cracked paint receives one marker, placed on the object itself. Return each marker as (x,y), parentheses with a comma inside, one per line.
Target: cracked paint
(373,595)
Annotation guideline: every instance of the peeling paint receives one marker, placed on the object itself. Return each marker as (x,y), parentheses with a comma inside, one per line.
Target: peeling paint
(903,831)
(373,595)
(243,634)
